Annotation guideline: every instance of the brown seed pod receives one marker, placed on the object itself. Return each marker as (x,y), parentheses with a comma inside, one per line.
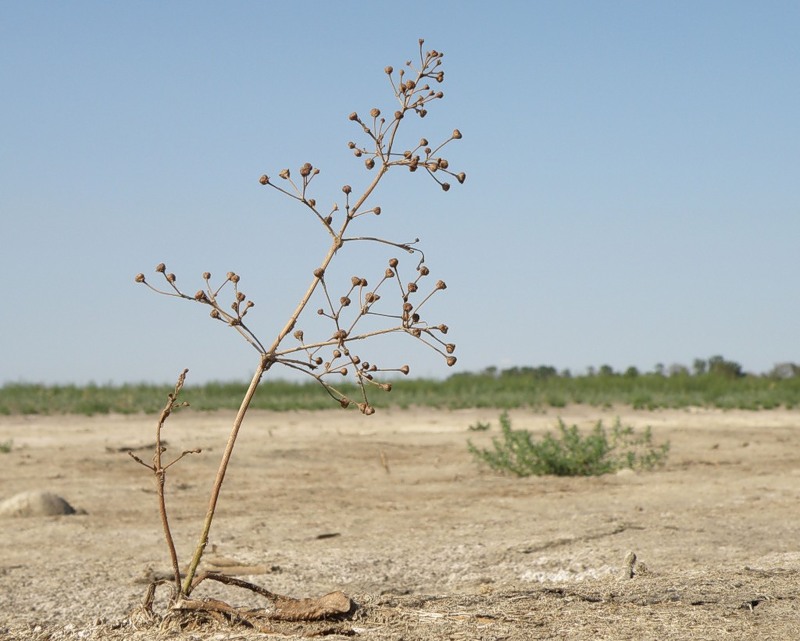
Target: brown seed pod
(347,189)
(299,335)
(344,401)
(344,301)
(443,328)
(388,70)
(393,262)
(139,278)
(264,180)
(446,186)
(200,295)
(353,116)
(319,272)
(450,348)
(305,170)
(369,163)
(456,134)
(206,275)
(171,278)
(214,313)
(461,177)
(161,268)
(451,360)
(285,173)
(405,369)
(423,270)
(388,273)
(375,112)
(440,284)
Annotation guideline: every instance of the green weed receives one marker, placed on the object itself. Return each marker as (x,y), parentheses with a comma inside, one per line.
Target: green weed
(569,452)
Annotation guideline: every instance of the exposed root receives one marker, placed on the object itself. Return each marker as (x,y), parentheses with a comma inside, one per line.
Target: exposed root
(190,613)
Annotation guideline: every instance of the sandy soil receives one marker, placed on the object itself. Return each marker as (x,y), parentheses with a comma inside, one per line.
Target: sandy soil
(392,510)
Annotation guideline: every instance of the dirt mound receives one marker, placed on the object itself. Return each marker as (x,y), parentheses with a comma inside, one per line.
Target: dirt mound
(35,503)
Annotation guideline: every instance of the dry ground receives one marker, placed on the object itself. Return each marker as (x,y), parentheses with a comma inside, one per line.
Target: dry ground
(392,510)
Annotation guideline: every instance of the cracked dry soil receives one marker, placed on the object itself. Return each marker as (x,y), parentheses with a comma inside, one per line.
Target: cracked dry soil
(392,510)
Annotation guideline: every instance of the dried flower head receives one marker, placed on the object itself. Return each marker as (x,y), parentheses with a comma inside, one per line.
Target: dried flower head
(139,278)
(161,268)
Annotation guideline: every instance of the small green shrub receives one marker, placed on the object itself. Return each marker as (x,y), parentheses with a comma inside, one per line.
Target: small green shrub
(5,446)
(569,452)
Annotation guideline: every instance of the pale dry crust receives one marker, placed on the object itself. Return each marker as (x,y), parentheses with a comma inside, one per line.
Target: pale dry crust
(392,510)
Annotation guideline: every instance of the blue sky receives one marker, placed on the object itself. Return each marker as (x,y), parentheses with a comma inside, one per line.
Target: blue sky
(633,190)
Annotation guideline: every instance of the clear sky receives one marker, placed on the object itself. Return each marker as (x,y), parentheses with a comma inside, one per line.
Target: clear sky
(633,190)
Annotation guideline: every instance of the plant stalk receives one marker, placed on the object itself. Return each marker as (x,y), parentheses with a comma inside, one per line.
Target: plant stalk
(263,365)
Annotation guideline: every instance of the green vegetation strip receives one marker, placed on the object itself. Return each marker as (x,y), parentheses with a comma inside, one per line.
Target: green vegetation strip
(514,388)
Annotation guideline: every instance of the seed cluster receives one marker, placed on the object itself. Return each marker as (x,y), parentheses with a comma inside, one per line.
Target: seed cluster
(336,354)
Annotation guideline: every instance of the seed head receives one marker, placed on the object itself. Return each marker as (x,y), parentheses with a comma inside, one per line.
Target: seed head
(285,173)
(398,115)
(206,275)
(423,142)
(347,189)
(405,370)
(412,287)
(461,178)
(376,211)
(446,186)
(353,116)
(171,278)
(139,278)
(451,360)
(319,272)
(443,328)
(214,313)
(161,267)
(456,134)
(375,112)
(235,278)
(388,70)
(299,335)
(200,296)
(344,301)
(423,270)
(393,262)
(388,273)
(305,170)
(450,348)
(344,401)
(369,163)
(264,180)
(440,284)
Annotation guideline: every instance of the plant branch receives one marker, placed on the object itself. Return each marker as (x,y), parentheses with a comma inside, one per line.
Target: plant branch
(264,364)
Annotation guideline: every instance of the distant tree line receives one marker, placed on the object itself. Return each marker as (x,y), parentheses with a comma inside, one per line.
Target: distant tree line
(717,366)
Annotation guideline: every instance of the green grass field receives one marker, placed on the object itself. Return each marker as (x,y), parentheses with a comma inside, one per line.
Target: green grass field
(718,383)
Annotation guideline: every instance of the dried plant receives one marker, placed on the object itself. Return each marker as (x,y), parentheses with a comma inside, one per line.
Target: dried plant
(355,311)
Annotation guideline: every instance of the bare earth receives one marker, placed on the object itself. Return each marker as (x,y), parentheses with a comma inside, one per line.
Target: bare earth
(392,510)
